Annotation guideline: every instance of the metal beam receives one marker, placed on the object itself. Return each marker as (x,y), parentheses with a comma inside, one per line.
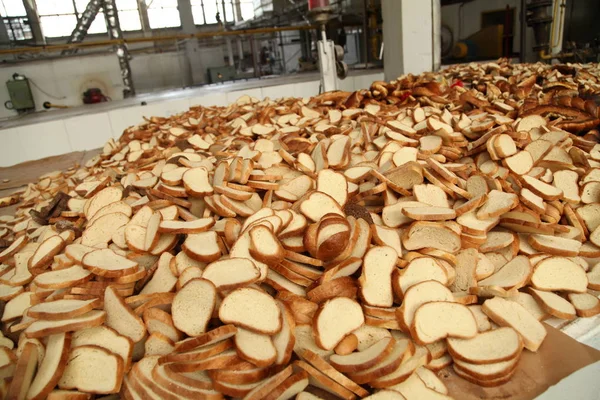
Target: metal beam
(83,24)
(115,33)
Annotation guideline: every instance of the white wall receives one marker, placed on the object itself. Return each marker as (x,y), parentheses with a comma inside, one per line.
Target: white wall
(90,131)
(64,79)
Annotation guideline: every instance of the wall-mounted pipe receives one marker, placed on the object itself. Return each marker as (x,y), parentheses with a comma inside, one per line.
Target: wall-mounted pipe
(60,47)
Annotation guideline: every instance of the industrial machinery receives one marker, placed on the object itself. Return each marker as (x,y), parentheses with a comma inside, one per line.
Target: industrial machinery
(21,99)
(330,54)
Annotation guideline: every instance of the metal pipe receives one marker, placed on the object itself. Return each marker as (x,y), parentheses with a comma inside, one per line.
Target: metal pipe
(523,41)
(59,47)
(365,49)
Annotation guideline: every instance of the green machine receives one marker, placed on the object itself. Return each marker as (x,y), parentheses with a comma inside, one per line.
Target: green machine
(221,74)
(21,99)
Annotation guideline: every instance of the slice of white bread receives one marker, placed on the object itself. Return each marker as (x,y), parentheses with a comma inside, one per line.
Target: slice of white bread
(200,353)
(256,348)
(290,387)
(121,318)
(401,351)
(424,234)
(284,340)
(92,369)
(385,394)
(107,263)
(18,305)
(320,380)
(487,372)
(43,255)
(183,387)
(62,309)
(335,319)
(52,367)
(193,306)
(221,333)
(414,388)
(267,385)
(497,204)
(512,314)
(108,338)
(559,273)
(440,319)
(555,245)
(419,358)
(553,304)
(376,278)
(513,275)
(62,278)
(41,328)
(488,347)
(163,280)
(304,340)
(431,380)
(252,309)
(440,363)
(24,372)
(188,227)
(264,246)
(157,320)
(418,295)
(466,271)
(418,270)
(202,246)
(231,273)
(323,366)
(587,305)
(530,304)
(361,360)
(158,344)
(58,394)
(483,322)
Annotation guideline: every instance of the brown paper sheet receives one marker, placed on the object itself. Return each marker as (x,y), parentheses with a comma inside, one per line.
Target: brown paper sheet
(558,357)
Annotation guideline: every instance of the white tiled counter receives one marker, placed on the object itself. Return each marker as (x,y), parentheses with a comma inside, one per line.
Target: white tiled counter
(45,134)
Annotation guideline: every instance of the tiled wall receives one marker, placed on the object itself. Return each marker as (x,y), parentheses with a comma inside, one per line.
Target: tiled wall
(90,131)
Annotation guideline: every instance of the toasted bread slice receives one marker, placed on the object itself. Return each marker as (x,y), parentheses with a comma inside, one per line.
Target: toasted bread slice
(335,319)
(439,319)
(512,314)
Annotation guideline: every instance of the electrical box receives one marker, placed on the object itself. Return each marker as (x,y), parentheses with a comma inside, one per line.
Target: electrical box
(20,95)
(221,74)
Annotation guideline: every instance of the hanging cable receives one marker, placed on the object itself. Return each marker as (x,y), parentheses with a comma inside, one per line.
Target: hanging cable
(46,93)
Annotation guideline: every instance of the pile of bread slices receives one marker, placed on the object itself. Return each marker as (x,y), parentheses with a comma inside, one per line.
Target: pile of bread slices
(350,245)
